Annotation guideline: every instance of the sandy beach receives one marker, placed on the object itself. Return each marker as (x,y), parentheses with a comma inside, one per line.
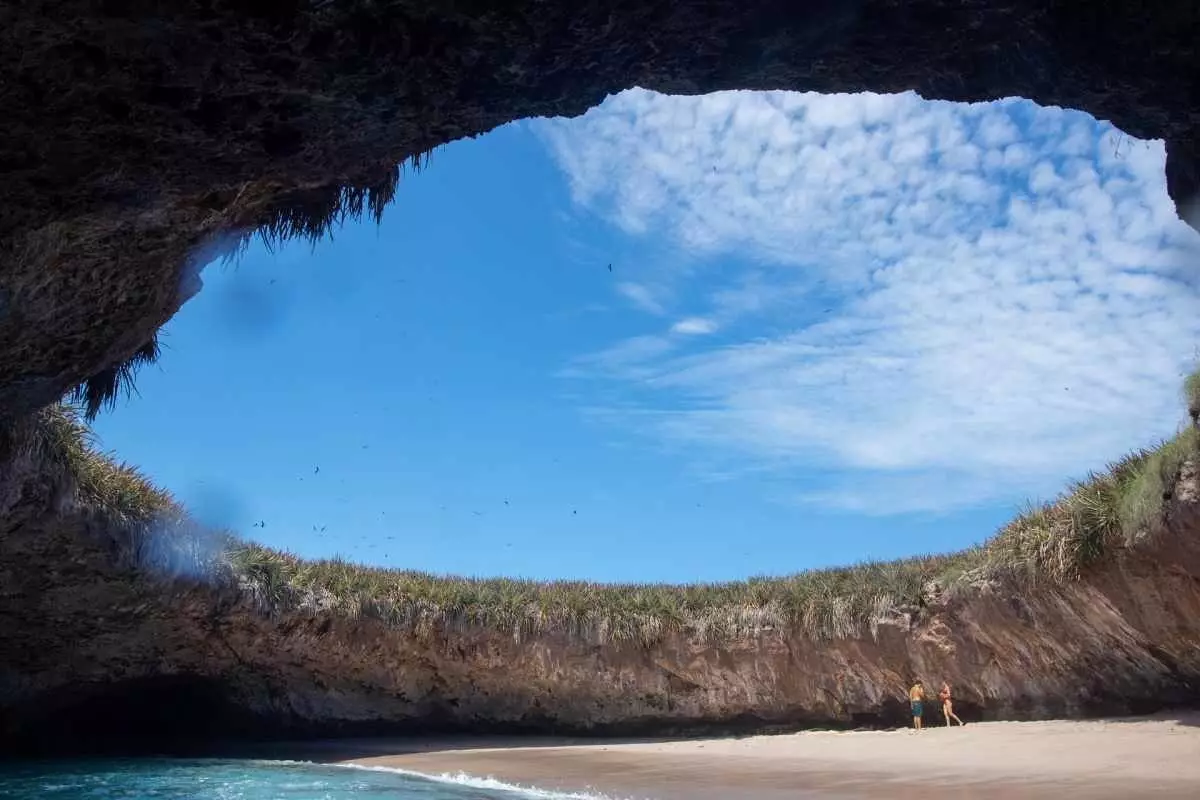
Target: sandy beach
(1142,757)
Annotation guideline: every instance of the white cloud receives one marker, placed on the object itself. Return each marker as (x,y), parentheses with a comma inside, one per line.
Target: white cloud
(694,326)
(641,296)
(965,302)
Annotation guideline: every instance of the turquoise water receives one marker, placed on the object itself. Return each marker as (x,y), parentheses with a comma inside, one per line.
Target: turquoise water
(202,779)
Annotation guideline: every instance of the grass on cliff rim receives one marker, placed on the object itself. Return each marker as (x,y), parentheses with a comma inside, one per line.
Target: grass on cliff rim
(111,488)
(1053,542)
(828,603)
(1116,508)
(1191,392)
(1056,541)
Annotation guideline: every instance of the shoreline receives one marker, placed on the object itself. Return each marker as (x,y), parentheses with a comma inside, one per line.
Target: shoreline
(1116,758)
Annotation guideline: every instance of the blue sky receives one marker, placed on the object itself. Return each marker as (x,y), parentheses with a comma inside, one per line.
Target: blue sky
(835,328)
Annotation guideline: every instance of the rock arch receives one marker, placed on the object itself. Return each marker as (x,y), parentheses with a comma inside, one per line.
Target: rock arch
(140,137)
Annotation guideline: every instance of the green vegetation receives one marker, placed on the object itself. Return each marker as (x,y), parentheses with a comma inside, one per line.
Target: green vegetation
(1054,542)
(105,486)
(827,603)
(1191,391)
(1111,510)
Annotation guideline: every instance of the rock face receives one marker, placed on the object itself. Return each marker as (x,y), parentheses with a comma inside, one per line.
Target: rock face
(94,655)
(139,136)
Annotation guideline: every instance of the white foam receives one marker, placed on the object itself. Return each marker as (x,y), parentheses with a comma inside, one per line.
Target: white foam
(488,783)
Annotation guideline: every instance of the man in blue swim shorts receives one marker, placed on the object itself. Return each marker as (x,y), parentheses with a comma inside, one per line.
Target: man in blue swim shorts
(916,699)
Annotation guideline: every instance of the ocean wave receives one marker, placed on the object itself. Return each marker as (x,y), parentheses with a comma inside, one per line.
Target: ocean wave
(488,784)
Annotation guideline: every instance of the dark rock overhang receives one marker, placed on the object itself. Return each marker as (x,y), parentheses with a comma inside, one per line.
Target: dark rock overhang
(139,138)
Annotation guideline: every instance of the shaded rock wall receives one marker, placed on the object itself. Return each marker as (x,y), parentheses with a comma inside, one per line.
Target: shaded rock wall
(139,135)
(96,656)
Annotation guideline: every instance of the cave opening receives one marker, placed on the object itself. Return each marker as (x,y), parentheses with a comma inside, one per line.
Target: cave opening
(771,330)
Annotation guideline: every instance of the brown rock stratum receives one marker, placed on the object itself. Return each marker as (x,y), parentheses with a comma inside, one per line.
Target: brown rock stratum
(140,137)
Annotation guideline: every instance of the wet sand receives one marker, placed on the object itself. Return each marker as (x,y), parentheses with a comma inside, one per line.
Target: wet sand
(1156,757)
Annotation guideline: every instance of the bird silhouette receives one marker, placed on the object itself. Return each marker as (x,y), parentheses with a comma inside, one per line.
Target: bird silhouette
(317,471)
(610,267)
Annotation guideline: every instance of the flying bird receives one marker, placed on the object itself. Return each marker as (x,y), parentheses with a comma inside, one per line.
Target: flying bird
(317,471)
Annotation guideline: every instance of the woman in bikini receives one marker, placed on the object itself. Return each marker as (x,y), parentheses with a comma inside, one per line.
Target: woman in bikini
(948,705)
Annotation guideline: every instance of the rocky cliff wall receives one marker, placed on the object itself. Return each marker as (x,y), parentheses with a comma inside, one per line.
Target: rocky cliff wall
(95,655)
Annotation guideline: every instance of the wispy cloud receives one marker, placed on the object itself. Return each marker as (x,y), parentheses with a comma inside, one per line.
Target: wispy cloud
(640,296)
(965,302)
(694,326)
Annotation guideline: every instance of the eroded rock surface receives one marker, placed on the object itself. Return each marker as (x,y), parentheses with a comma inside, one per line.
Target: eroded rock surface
(139,136)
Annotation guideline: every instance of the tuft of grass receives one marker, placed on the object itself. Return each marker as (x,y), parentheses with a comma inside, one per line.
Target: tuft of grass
(1052,542)
(1117,508)
(1191,392)
(1147,489)
(100,391)
(313,213)
(104,485)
